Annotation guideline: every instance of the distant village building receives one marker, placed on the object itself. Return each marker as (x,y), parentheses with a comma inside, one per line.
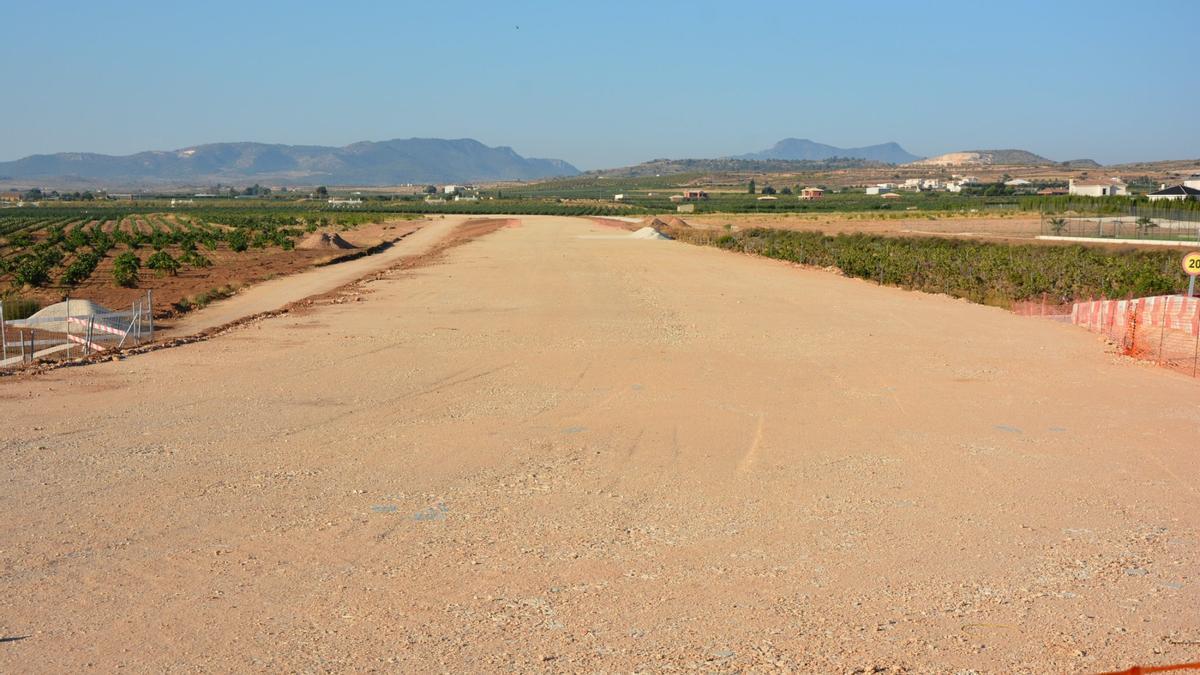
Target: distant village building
(1052,191)
(338,203)
(451,189)
(1113,188)
(10,197)
(686,208)
(1175,193)
(881,189)
(811,193)
(1017,182)
(619,198)
(1192,182)
(694,195)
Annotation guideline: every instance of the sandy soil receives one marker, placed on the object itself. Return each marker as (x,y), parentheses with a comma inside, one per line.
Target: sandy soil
(551,451)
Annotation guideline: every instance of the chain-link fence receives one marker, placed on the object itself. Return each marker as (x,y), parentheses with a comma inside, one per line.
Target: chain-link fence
(1164,328)
(1151,222)
(73,328)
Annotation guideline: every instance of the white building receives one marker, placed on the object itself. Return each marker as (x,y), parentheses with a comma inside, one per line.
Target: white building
(1175,193)
(619,198)
(451,189)
(1113,188)
(1017,182)
(881,189)
(1192,182)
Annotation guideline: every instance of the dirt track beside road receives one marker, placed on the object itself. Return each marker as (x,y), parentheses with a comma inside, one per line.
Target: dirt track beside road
(555,451)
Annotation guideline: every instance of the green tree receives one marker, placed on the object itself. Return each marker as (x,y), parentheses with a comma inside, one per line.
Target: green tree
(1144,225)
(322,191)
(750,190)
(163,263)
(125,269)
(768,190)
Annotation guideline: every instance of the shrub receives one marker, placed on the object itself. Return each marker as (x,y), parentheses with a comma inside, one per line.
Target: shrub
(195,259)
(985,272)
(238,241)
(163,263)
(31,270)
(125,269)
(80,269)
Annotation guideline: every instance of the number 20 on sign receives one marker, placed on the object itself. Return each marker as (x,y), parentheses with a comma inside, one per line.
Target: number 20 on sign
(1191,265)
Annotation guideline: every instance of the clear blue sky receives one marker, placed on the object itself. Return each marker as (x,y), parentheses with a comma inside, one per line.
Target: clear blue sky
(607,83)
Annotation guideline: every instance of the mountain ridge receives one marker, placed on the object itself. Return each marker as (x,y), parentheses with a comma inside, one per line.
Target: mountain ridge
(395,161)
(805,149)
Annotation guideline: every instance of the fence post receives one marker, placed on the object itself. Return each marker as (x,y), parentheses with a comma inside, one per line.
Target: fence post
(135,314)
(1196,349)
(3,332)
(32,343)
(1162,333)
(68,322)
(150,312)
(88,345)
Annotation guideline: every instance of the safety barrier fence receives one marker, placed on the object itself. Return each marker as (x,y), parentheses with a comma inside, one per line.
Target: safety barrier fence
(66,333)
(1162,328)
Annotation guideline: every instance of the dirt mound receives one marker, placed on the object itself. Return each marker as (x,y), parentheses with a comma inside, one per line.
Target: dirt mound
(651,221)
(674,221)
(648,233)
(324,240)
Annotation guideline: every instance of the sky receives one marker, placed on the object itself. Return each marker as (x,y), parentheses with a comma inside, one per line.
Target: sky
(605,84)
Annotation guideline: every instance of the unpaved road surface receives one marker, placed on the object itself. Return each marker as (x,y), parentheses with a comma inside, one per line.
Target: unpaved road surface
(548,452)
(275,293)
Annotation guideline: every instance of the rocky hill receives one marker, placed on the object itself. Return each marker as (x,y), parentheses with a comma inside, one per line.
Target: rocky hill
(413,160)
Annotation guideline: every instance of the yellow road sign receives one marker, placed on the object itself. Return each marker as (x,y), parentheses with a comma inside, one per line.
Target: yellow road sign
(1191,263)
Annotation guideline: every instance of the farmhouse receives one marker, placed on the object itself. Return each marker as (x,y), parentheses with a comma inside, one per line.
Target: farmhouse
(1016,182)
(1052,191)
(694,195)
(10,197)
(1113,188)
(879,189)
(1175,193)
(810,193)
(452,189)
(619,198)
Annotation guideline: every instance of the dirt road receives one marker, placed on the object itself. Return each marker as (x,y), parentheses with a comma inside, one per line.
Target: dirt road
(555,452)
(270,295)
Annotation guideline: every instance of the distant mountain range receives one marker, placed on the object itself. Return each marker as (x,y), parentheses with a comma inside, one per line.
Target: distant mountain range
(729,165)
(804,149)
(413,160)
